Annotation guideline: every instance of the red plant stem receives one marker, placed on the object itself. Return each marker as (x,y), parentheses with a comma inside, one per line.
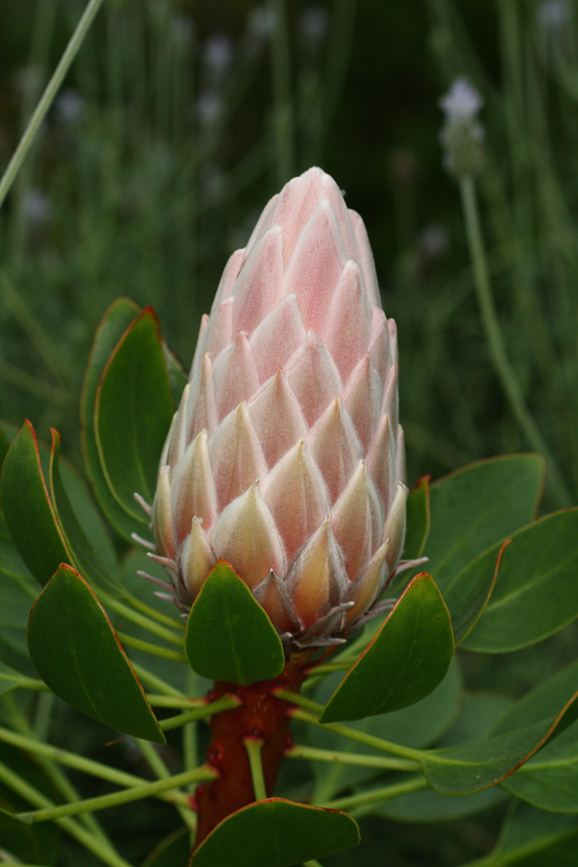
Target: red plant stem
(261,715)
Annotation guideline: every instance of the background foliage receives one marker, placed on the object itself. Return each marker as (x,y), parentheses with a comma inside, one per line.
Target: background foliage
(178,121)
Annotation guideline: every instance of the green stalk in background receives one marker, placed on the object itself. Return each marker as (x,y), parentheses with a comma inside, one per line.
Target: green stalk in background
(47,98)
(282,101)
(495,340)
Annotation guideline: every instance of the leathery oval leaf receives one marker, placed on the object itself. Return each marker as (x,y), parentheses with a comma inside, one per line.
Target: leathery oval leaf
(534,838)
(406,660)
(4,445)
(85,557)
(77,653)
(477,506)
(418,520)
(468,595)
(173,851)
(276,833)
(115,322)
(229,636)
(133,413)
(537,592)
(27,508)
(526,727)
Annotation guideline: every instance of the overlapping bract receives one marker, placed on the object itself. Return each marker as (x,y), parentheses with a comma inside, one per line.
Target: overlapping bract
(286,455)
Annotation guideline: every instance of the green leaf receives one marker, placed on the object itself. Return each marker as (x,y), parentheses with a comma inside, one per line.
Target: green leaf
(18,588)
(115,322)
(419,725)
(537,592)
(79,656)
(276,833)
(229,636)
(429,806)
(4,446)
(550,779)
(27,508)
(525,728)
(478,715)
(532,838)
(133,414)
(85,558)
(406,660)
(418,520)
(173,851)
(468,594)
(477,506)
(135,587)
(29,843)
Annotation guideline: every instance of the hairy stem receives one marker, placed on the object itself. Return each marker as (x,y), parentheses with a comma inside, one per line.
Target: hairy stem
(262,716)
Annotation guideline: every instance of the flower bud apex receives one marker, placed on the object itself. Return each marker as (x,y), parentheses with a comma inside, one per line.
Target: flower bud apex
(462,135)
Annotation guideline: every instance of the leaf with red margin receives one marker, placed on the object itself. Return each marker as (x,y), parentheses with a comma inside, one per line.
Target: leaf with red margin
(229,636)
(86,560)
(173,851)
(523,730)
(418,520)
(113,326)
(478,506)
(27,508)
(133,413)
(77,653)
(276,833)
(470,591)
(537,593)
(4,446)
(406,660)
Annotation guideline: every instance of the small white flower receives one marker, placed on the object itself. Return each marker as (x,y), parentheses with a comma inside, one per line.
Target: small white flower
(461,102)
(434,241)
(462,135)
(218,54)
(261,22)
(37,207)
(182,30)
(553,14)
(209,106)
(69,107)
(27,79)
(314,23)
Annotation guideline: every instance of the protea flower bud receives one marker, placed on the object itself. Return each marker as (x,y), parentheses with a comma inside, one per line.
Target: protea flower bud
(286,457)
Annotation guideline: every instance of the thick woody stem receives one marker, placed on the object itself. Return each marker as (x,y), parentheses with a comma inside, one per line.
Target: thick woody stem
(261,715)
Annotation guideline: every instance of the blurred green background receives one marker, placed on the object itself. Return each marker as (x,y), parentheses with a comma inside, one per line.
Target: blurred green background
(179,120)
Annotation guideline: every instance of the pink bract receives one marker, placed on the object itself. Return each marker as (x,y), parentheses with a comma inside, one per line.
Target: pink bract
(286,456)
